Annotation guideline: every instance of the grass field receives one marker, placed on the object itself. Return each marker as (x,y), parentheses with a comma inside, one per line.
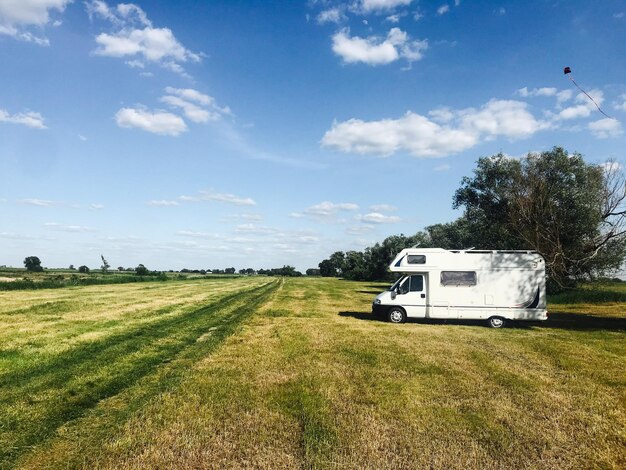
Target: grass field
(294,373)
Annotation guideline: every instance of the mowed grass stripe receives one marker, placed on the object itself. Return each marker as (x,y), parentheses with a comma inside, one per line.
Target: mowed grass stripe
(35,402)
(44,320)
(87,315)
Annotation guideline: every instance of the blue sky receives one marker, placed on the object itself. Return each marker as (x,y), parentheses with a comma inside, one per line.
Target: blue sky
(209,134)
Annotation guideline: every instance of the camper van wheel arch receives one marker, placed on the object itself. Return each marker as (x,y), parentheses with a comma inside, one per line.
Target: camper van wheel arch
(396,315)
(496,322)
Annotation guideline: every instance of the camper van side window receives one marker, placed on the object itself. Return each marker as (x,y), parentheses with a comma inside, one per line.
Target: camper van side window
(417,283)
(416,259)
(458,278)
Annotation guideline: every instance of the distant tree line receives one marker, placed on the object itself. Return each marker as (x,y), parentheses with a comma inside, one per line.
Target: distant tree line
(289,271)
(571,212)
(33,264)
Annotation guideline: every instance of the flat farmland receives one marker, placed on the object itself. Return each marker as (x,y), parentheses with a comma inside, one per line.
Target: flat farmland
(294,373)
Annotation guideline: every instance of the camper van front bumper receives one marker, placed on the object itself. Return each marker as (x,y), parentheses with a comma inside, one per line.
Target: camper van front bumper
(379,309)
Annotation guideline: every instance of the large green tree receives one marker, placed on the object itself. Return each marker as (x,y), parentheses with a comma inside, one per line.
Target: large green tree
(33,264)
(571,212)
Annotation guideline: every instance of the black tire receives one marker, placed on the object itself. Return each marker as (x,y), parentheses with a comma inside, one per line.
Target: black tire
(496,322)
(396,315)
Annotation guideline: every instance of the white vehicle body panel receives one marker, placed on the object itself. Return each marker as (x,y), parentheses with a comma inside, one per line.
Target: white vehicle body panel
(469,284)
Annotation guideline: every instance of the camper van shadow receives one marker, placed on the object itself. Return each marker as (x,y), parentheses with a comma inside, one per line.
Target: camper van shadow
(369,316)
(563,321)
(583,321)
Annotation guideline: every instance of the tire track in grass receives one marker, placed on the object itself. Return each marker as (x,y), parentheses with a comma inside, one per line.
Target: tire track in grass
(304,401)
(35,403)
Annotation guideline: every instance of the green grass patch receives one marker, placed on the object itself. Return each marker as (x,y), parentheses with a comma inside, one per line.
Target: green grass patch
(595,293)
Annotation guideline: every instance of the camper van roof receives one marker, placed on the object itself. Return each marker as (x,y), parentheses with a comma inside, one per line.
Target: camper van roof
(470,250)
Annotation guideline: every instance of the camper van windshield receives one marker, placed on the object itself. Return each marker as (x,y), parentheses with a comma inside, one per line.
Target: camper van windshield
(396,284)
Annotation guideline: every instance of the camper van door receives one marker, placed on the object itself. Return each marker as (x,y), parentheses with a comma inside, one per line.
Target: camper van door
(411,295)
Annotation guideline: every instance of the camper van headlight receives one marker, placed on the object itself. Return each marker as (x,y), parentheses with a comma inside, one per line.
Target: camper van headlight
(377,301)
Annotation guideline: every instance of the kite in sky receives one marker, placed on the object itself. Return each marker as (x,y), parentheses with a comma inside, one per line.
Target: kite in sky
(568,71)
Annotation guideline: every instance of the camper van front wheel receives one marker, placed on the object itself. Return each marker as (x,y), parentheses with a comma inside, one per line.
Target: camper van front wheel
(396,315)
(496,322)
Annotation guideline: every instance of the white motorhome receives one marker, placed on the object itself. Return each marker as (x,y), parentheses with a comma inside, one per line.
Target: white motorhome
(465,284)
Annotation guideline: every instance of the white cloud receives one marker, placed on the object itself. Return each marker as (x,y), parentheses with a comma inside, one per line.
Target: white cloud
(162,203)
(193,234)
(136,64)
(28,118)
(393,18)
(376,51)
(16,16)
(505,118)
(412,132)
(442,167)
(545,91)
(564,95)
(238,217)
(573,112)
(326,209)
(254,229)
(190,94)
(441,115)
(38,202)
(378,218)
(101,9)
(332,15)
(192,112)
(606,128)
(158,122)
(196,106)
(219,197)
(583,109)
(135,38)
(153,44)
(131,12)
(49,203)
(443,9)
(21,236)
(306,239)
(621,106)
(423,137)
(372,6)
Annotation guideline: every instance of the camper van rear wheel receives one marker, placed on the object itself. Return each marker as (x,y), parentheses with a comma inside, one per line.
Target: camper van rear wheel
(396,315)
(496,322)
